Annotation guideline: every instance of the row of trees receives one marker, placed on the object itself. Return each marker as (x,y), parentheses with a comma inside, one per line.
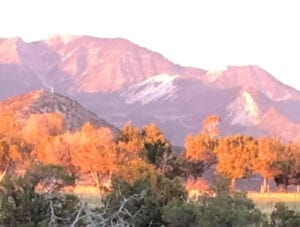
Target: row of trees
(100,153)
(90,150)
(241,156)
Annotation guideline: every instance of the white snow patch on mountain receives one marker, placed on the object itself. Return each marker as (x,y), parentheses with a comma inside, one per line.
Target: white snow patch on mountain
(214,74)
(157,87)
(243,111)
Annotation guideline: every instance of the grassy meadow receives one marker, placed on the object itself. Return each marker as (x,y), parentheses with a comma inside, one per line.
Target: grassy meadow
(266,201)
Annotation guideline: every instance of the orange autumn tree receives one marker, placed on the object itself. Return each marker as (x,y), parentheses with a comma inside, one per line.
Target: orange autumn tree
(13,149)
(266,159)
(210,126)
(129,143)
(295,148)
(156,146)
(4,158)
(9,127)
(234,155)
(136,169)
(94,153)
(287,165)
(201,146)
(12,152)
(56,150)
(42,125)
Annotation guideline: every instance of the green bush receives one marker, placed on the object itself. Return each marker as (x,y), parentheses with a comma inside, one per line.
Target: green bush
(179,213)
(282,216)
(21,205)
(227,210)
(144,199)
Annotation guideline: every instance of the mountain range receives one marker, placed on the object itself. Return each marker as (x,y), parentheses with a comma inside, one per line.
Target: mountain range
(122,81)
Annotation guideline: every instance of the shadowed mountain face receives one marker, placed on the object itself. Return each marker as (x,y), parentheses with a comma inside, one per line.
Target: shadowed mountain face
(121,81)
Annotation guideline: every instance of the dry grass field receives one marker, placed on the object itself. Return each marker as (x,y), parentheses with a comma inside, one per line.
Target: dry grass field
(266,201)
(274,197)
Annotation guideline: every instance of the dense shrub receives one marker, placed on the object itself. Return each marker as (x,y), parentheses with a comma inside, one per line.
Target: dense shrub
(283,216)
(149,199)
(21,205)
(179,213)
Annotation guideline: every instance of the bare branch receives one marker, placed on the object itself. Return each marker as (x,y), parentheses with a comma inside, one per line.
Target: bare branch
(104,218)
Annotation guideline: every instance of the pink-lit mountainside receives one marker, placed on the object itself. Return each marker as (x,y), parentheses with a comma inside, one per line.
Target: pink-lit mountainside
(121,82)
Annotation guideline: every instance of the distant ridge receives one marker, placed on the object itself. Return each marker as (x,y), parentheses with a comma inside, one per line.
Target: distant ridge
(37,102)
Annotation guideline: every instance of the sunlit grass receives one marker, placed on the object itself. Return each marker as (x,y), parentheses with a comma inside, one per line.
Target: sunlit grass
(88,194)
(274,197)
(92,201)
(266,201)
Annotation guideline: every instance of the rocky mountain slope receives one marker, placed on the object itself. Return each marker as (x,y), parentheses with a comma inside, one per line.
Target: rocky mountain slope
(37,102)
(178,104)
(122,81)
(75,64)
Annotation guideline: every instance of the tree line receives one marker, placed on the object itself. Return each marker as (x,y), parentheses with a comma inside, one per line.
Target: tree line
(99,153)
(38,158)
(241,156)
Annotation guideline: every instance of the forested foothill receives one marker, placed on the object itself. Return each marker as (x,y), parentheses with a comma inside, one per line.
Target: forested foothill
(140,179)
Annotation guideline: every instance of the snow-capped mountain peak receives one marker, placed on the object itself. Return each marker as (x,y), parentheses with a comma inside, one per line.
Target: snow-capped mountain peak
(157,87)
(243,110)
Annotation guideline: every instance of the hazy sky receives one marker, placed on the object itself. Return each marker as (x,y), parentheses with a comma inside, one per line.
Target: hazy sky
(207,34)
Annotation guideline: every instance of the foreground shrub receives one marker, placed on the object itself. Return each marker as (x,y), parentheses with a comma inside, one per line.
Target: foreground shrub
(283,216)
(227,210)
(179,213)
(21,205)
(149,199)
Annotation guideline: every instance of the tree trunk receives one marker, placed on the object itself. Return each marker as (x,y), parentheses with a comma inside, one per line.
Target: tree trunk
(265,185)
(2,175)
(96,179)
(232,185)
